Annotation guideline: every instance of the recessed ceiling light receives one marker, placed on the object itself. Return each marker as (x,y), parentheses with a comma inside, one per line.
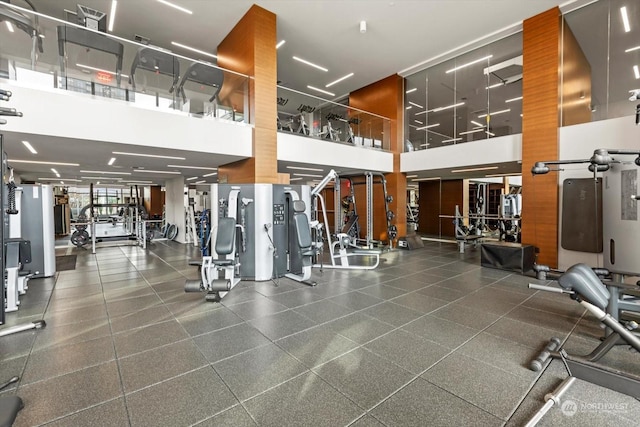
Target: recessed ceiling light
(631,49)
(64,179)
(625,19)
(201,182)
(451,140)
(311,64)
(518,98)
(210,174)
(488,168)
(280,43)
(192,178)
(494,85)
(107,172)
(29,147)
(495,113)
(435,110)
(416,105)
(409,107)
(471,131)
(476,123)
(56,172)
(411,90)
(300,168)
(636,72)
(175,6)
(112,161)
(112,14)
(412,176)
(490,134)
(36,162)
(428,126)
(102,177)
(102,70)
(9,26)
(152,171)
(339,80)
(295,179)
(321,91)
(193,49)
(469,63)
(192,167)
(155,156)
(419,122)
(139,182)
(308,175)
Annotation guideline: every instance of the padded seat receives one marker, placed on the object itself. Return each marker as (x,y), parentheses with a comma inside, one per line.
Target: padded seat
(581,279)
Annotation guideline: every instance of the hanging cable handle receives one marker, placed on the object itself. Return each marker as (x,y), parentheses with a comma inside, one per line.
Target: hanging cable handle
(11,186)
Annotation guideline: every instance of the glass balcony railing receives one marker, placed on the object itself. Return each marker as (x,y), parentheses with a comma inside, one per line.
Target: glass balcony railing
(41,51)
(311,116)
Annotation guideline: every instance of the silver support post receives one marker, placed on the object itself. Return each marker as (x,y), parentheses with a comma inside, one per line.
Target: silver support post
(369,180)
(93,236)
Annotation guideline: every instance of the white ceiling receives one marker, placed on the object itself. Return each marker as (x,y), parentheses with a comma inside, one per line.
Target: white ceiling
(401,34)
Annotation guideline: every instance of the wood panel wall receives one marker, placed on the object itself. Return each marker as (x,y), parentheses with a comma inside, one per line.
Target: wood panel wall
(452,194)
(540,108)
(576,80)
(250,48)
(385,98)
(429,207)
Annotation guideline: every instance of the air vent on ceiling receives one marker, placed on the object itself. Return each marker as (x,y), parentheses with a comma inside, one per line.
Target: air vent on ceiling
(141,39)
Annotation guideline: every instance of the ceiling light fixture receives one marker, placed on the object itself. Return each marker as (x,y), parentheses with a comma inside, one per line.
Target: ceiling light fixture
(102,177)
(410,107)
(477,124)
(428,126)
(124,153)
(468,63)
(139,182)
(444,141)
(518,98)
(300,168)
(112,14)
(210,174)
(419,122)
(412,176)
(9,26)
(29,147)
(490,133)
(339,80)
(192,178)
(632,49)
(488,168)
(100,70)
(321,91)
(426,179)
(56,172)
(416,105)
(495,113)
(201,182)
(411,90)
(295,179)
(636,72)
(192,167)
(311,64)
(36,162)
(106,172)
(52,179)
(436,110)
(308,175)
(153,171)
(494,85)
(280,43)
(471,131)
(363,27)
(193,49)
(625,19)
(112,161)
(175,6)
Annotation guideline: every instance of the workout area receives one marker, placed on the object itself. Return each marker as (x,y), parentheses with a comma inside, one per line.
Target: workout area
(216,214)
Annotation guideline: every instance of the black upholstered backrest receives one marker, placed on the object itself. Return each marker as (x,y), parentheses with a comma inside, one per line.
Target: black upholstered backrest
(301,223)
(225,236)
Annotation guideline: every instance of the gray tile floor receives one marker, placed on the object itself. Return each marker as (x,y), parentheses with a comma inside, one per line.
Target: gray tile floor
(428,338)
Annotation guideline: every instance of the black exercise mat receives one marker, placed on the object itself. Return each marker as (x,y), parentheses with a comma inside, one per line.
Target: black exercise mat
(66,262)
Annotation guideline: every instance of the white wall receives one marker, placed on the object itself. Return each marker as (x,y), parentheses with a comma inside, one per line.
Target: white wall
(297,148)
(487,151)
(61,113)
(174,205)
(579,142)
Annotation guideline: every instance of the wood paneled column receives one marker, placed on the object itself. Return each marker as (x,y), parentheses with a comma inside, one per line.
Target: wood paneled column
(556,90)
(250,48)
(540,121)
(385,98)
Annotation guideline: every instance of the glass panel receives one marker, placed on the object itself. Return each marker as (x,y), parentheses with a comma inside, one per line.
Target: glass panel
(477,95)
(67,56)
(319,118)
